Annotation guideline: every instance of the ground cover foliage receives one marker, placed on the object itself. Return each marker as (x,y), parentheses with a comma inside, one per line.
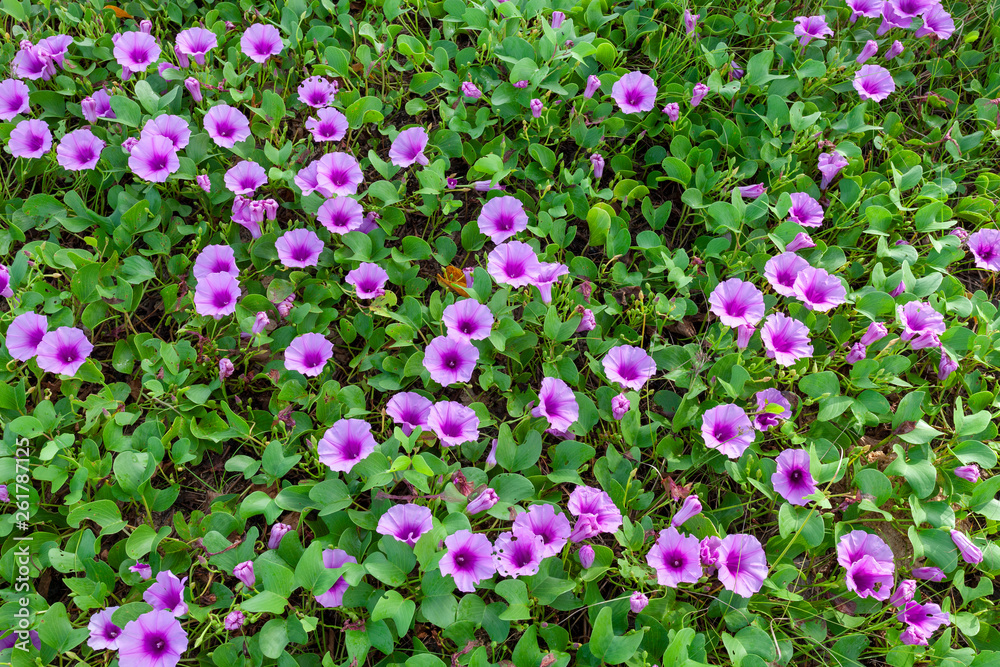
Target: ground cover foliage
(489,333)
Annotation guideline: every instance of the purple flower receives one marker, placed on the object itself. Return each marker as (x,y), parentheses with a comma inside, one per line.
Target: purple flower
(811,27)
(629,366)
(690,508)
(543,521)
(408,147)
(215,259)
(830,164)
(928,574)
(226,368)
(801,241)
(345,444)
(805,210)
(595,511)
(728,429)
(593,83)
(63,351)
(523,83)
(341,215)
(135,52)
(925,340)
(904,593)
(869,50)
(854,545)
(216,295)
(248,213)
(468,559)
(985,248)
(785,339)
(708,550)
(244,572)
(869,578)
(874,82)
(586,556)
(204,182)
(332,560)
(164,67)
(452,183)
(103,632)
(517,556)
(876,331)
(226,125)
(869,8)
(970,552)
(536,108)
(142,569)
(635,92)
(587,320)
(735,71)
(918,318)
(194,87)
(912,8)
(13,98)
(79,150)
(155,639)
(793,481)
(469,90)
(299,248)
(937,22)
(946,366)
(675,558)
(485,186)
(129,144)
(260,42)
(195,43)
(891,18)
(673,111)
(744,333)
(260,322)
(513,263)
(368,279)
(453,423)
(557,20)
(33,62)
(557,403)
(486,499)
(547,275)
(751,191)
(742,564)
(409,410)
(173,128)
(922,621)
(857,353)
(637,602)
(278,531)
(405,523)
(331,125)
(690,22)
(894,50)
(317,92)
(969,473)
(338,174)
(768,416)
(245,177)
(502,217)
(450,360)
(467,320)
(308,354)
(5,289)
(167,594)
(30,139)
(25,334)
(97,106)
(597,162)
(736,303)
(234,620)
(620,405)
(818,290)
(698,94)
(153,159)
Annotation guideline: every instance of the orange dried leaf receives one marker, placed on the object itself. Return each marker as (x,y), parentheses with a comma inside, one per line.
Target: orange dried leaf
(453,279)
(119,12)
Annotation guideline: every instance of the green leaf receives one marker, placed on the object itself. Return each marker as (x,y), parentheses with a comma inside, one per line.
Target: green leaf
(921,475)
(393,605)
(266,601)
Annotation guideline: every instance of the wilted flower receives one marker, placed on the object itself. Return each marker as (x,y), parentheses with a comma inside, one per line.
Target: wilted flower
(486,499)
(635,92)
(786,339)
(857,353)
(946,366)
(811,27)
(167,593)
(587,320)
(768,413)
(405,523)
(637,602)
(142,569)
(690,508)
(260,42)
(226,368)
(675,558)
(737,303)
(934,574)
(244,572)
(970,552)
(629,366)
(63,351)
(673,111)
(408,148)
(620,405)
(308,354)
(830,164)
(468,559)
(332,560)
(595,511)
(698,93)
(470,90)
(874,82)
(904,593)
(728,429)
(805,210)
(523,83)
(742,564)
(155,639)
(593,83)
(536,108)
(345,444)
(234,620)
(751,191)
(204,182)
(453,423)
(260,322)
(869,50)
